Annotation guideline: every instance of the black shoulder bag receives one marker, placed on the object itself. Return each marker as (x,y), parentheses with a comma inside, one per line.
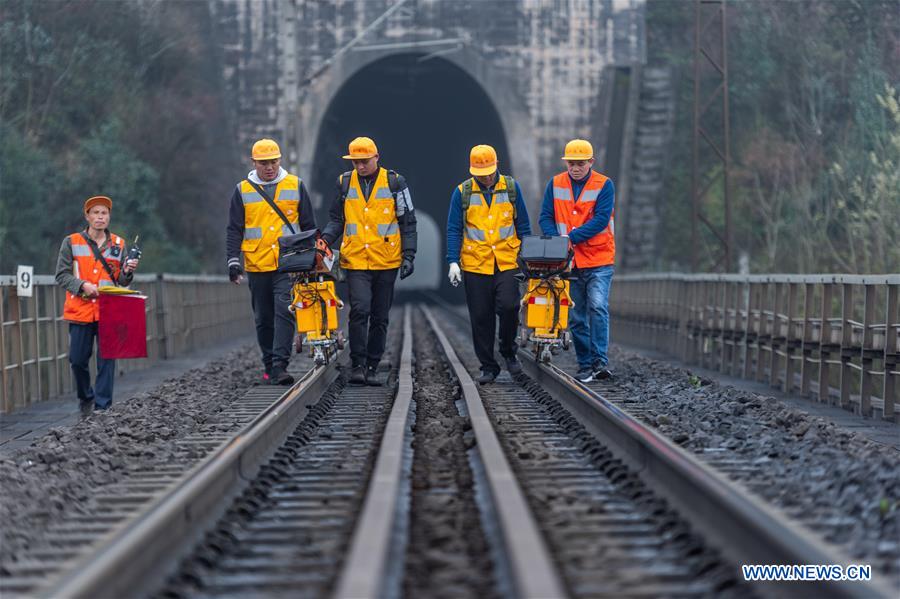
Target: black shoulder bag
(297,252)
(99,256)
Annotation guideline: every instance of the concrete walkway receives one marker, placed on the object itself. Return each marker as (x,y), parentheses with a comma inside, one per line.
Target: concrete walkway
(877,430)
(18,429)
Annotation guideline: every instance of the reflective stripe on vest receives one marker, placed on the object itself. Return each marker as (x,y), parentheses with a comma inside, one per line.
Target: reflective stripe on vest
(263,226)
(489,231)
(90,270)
(600,250)
(371,232)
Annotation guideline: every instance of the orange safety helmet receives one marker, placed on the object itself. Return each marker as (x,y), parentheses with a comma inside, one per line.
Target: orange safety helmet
(97,201)
(482,160)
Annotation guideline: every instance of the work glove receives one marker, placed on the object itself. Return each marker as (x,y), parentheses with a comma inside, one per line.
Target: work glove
(406,267)
(455,275)
(235,274)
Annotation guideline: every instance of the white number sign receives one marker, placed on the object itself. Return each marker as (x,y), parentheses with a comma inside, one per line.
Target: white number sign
(25,281)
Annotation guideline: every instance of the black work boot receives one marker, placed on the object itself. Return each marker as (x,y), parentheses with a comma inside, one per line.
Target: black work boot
(487,377)
(281,377)
(513,366)
(358,376)
(86,407)
(372,377)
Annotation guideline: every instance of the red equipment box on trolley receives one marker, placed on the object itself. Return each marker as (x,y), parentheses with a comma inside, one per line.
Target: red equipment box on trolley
(122,330)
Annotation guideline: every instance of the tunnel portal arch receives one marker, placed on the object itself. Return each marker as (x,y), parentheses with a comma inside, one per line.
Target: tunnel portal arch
(424,115)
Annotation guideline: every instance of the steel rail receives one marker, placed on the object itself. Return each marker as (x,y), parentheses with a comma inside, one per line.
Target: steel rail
(534,573)
(745,529)
(145,549)
(365,569)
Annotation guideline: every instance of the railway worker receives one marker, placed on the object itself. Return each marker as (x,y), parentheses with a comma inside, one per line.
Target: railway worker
(88,260)
(487,219)
(269,203)
(373,210)
(579,202)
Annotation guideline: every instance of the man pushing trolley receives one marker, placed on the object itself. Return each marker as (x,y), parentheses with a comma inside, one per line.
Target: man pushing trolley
(579,202)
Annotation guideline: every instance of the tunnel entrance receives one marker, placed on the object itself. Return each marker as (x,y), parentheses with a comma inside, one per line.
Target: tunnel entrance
(424,114)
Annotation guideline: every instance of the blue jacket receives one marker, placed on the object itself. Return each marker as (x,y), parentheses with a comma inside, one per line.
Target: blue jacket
(455,221)
(603,209)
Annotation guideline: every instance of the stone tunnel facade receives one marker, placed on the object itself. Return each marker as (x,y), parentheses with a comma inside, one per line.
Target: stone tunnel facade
(548,67)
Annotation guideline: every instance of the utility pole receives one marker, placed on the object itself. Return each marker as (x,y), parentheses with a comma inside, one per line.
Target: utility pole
(710,50)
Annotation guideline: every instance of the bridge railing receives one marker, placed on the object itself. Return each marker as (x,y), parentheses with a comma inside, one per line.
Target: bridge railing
(184,313)
(832,337)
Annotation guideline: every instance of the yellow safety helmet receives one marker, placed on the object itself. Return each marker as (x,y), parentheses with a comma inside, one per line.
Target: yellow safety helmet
(265,149)
(482,160)
(361,148)
(579,149)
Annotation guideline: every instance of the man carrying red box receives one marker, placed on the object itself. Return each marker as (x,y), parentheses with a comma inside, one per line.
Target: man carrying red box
(88,260)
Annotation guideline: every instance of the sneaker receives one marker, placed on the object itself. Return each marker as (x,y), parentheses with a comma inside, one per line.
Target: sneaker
(372,377)
(601,372)
(267,376)
(513,366)
(281,377)
(585,375)
(358,376)
(487,377)
(86,407)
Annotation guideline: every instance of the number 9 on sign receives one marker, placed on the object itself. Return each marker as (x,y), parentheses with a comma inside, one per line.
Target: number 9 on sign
(25,281)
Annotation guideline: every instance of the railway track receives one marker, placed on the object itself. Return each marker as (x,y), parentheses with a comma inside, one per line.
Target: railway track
(535,487)
(79,546)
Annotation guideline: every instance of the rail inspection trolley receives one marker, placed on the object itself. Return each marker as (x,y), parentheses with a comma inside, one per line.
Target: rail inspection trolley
(314,302)
(544,261)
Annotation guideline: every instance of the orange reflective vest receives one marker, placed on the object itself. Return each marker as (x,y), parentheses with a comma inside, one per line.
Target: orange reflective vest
(489,231)
(599,250)
(371,231)
(263,226)
(89,269)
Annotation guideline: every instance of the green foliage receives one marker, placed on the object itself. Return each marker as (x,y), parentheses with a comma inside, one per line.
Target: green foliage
(811,130)
(116,98)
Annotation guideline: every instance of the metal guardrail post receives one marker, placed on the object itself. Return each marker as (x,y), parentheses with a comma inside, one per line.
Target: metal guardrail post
(807,345)
(4,377)
(846,372)
(792,339)
(891,350)
(18,387)
(825,343)
(867,352)
(162,329)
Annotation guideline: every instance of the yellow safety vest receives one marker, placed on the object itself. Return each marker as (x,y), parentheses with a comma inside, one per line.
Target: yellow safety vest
(489,231)
(371,232)
(263,227)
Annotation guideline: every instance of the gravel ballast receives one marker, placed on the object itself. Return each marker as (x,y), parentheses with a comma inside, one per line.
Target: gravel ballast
(838,483)
(58,473)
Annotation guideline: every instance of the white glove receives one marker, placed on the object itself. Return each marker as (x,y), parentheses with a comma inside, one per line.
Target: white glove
(455,275)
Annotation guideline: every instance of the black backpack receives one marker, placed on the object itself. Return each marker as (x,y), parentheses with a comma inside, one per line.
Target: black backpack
(510,190)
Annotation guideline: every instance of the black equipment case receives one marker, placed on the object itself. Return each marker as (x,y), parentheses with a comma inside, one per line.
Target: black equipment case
(544,254)
(297,253)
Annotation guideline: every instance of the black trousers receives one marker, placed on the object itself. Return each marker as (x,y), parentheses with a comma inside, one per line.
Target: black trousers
(371,295)
(490,297)
(270,296)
